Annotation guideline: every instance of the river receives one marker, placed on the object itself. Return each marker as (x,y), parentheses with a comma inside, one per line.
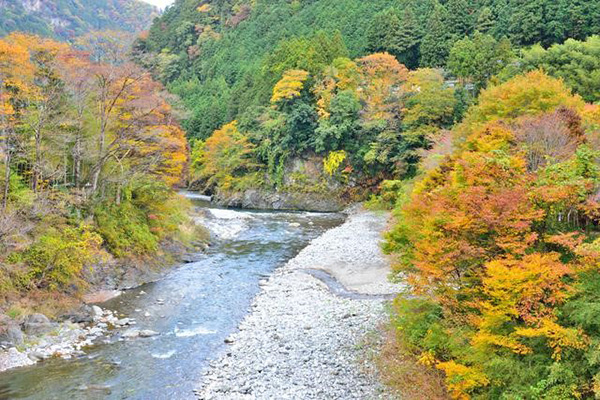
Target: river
(194,307)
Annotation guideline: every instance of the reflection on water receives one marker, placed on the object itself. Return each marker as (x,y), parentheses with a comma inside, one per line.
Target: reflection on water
(194,308)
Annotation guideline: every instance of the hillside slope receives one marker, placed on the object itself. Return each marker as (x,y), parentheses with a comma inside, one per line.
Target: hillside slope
(218,54)
(63,19)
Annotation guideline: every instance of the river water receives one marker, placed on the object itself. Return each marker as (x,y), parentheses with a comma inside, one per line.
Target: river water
(195,307)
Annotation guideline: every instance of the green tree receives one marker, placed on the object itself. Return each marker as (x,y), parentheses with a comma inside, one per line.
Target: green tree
(397,36)
(479,58)
(577,63)
(527,24)
(459,18)
(339,130)
(428,103)
(436,42)
(382,35)
(409,38)
(485,20)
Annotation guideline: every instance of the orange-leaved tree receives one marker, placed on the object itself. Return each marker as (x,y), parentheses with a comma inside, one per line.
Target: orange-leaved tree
(16,86)
(498,241)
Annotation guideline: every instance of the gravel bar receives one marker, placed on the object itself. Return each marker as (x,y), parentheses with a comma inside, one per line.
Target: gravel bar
(300,340)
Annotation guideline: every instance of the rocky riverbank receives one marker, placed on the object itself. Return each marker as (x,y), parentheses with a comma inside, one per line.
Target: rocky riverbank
(38,338)
(300,340)
(28,339)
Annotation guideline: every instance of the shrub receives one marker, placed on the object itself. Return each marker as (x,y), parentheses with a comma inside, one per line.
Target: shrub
(57,258)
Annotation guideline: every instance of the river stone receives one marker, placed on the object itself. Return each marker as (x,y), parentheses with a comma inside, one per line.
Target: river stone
(97,311)
(12,334)
(37,324)
(131,333)
(83,315)
(36,356)
(148,333)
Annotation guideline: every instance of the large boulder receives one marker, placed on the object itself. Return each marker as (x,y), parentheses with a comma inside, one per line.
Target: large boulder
(82,315)
(10,332)
(37,324)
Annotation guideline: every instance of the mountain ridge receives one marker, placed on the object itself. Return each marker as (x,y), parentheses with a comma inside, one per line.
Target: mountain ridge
(65,20)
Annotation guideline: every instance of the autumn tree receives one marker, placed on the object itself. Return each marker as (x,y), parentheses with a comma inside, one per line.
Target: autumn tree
(77,74)
(290,86)
(221,157)
(16,79)
(495,242)
(383,76)
(44,54)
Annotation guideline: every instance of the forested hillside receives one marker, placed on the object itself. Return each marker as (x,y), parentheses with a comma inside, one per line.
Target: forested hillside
(223,57)
(477,122)
(228,60)
(66,20)
(90,151)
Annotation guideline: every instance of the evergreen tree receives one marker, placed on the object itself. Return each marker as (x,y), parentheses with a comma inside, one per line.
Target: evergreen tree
(485,20)
(527,25)
(502,12)
(383,32)
(408,40)
(477,59)
(459,18)
(436,42)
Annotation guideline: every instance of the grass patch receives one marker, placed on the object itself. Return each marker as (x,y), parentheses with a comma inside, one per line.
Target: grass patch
(407,378)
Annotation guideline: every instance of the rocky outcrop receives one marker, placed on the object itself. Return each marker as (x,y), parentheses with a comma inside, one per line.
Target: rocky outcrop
(304,186)
(272,200)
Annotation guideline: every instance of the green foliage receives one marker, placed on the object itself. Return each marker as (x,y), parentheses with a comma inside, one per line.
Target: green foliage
(149,213)
(396,33)
(576,62)
(125,230)
(58,257)
(485,20)
(340,129)
(479,58)
(224,61)
(428,103)
(19,193)
(311,53)
(437,40)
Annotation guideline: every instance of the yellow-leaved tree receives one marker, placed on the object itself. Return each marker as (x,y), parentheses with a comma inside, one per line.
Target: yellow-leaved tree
(290,86)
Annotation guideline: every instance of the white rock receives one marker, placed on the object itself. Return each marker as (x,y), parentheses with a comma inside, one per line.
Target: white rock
(146,333)
(97,311)
(131,333)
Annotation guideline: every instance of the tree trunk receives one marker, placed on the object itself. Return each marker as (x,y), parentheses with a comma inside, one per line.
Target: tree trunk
(7,160)
(38,157)
(77,158)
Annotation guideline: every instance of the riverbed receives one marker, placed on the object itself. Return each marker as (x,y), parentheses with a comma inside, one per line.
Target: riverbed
(194,308)
(306,335)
